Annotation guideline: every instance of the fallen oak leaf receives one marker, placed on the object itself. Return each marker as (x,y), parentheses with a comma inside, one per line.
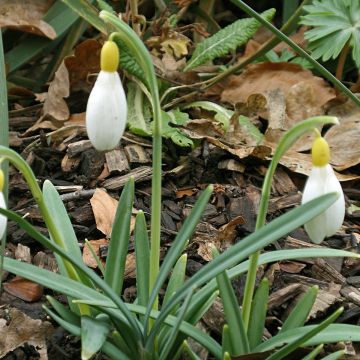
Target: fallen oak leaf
(22,329)
(26,15)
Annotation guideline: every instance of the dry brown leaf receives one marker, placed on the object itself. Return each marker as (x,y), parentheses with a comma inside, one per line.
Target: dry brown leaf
(130,266)
(104,209)
(26,15)
(176,45)
(24,289)
(59,88)
(227,233)
(22,329)
(266,76)
(85,61)
(344,140)
(87,255)
(302,164)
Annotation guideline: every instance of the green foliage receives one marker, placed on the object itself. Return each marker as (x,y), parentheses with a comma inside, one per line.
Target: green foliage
(226,40)
(139,110)
(334,24)
(175,117)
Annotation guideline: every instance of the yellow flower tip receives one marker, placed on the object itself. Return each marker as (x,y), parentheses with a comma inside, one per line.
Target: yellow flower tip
(109,58)
(2,180)
(320,152)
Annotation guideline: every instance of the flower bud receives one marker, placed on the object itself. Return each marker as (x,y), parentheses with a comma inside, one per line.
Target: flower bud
(106,110)
(322,180)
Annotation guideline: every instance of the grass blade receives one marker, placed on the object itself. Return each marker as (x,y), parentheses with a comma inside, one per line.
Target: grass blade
(258,314)
(142,254)
(119,242)
(238,338)
(301,311)
(176,279)
(179,243)
(175,330)
(288,349)
(252,243)
(314,353)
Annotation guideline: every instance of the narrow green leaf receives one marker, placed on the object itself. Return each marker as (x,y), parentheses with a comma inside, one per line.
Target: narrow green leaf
(119,242)
(301,311)
(332,334)
(179,243)
(189,351)
(93,334)
(258,314)
(176,279)
(266,258)
(64,284)
(172,335)
(238,338)
(226,40)
(108,348)
(314,353)
(142,254)
(225,340)
(238,252)
(64,311)
(65,231)
(293,345)
(95,257)
(334,356)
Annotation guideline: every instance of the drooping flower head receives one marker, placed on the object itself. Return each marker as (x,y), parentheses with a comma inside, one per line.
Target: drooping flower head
(106,109)
(322,180)
(3,219)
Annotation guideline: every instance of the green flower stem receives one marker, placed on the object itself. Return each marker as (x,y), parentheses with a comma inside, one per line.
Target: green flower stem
(323,71)
(4,139)
(36,192)
(138,49)
(285,143)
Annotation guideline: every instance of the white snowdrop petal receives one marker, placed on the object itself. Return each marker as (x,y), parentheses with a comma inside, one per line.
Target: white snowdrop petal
(336,212)
(106,111)
(315,231)
(322,180)
(313,187)
(3,219)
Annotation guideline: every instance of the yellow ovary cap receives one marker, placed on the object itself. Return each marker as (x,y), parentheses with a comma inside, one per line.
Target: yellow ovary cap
(2,180)
(109,59)
(320,152)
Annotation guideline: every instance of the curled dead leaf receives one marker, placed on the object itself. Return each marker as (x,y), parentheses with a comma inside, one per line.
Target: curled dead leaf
(26,15)
(22,329)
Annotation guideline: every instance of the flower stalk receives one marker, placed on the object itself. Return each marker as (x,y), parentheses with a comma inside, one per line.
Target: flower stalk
(139,51)
(285,143)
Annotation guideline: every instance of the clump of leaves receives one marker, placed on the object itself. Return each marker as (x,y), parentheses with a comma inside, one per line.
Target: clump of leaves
(226,40)
(335,29)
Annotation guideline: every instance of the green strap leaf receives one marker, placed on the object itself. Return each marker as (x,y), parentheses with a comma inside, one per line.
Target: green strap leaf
(142,254)
(238,252)
(119,242)
(301,311)
(176,280)
(172,335)
(258,314)
(293,345)
(93,334)
(238,338)
(226,40)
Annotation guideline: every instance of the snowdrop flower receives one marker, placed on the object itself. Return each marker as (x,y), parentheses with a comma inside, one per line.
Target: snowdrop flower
(106,109)
(3,219)
(322,180)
